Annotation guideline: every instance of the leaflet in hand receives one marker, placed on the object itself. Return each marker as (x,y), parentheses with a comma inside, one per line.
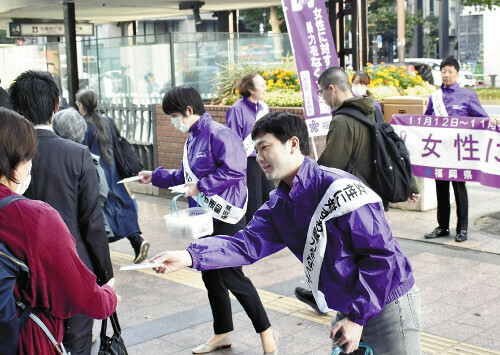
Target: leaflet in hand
(140,266)
(179,189)
(129,179)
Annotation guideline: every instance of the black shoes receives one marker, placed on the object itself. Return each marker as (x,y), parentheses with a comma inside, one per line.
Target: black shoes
(307,297)
(438,232)
(441,232)
(461,236)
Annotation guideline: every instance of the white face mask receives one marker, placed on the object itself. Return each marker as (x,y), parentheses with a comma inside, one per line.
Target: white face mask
(23,186)
(359,90)
(181,126)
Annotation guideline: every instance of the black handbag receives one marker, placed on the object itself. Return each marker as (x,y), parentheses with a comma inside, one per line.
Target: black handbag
(127,162)
(114,344)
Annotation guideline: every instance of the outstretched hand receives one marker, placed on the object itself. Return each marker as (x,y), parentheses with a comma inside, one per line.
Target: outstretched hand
(351,334)
(172,261)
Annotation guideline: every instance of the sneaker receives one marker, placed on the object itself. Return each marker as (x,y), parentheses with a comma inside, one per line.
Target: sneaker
(307,297)
(142,253)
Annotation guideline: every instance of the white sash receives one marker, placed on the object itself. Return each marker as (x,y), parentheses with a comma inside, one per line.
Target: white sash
(438,104)
(343,196)
(220,208)
(248,142)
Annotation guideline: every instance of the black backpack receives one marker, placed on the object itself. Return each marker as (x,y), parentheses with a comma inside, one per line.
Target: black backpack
(126,159)
(391,170)
(12,270)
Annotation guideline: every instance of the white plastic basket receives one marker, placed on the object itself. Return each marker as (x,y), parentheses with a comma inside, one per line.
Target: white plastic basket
(194,222)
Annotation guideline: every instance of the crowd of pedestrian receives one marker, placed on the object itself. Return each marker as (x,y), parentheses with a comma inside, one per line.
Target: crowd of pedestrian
(63,162)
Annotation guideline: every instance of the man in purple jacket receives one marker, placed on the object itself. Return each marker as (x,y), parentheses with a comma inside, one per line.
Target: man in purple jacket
(452,100)
(336,226)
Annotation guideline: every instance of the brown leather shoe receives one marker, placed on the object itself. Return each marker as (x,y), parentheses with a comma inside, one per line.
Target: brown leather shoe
(206,348)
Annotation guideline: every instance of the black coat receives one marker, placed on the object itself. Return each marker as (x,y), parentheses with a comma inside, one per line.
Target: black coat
(64,176)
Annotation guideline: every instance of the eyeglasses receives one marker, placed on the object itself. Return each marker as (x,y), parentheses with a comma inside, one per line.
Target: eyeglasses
(320,91)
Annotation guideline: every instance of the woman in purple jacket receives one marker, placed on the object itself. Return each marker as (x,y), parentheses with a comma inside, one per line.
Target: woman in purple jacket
(241,118)
(214,164)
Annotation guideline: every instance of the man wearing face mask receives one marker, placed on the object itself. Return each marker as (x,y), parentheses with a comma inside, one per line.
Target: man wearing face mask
(64,177)
(214,164)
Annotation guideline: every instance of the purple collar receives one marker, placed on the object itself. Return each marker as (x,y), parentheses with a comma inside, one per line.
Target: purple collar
(255,107)
(451,88)
(200,124)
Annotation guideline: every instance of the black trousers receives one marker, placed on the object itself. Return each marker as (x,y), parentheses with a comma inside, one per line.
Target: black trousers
(461,200)
(219,281)
(78,335)
(259,187)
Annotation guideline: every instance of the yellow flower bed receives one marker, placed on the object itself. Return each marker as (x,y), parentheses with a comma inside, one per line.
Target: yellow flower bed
(280,79)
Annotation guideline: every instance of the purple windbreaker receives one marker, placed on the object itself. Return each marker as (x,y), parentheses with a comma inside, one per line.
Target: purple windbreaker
(363,267)
(217,158)
(461,102)
(241,117)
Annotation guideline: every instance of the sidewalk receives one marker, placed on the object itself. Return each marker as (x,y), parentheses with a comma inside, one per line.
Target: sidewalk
(459,283)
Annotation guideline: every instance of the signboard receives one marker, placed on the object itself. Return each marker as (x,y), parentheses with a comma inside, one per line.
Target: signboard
(314,51)
(18,29)
(452,148)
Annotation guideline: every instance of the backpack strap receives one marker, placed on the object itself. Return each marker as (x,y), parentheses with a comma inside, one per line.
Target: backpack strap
(359,116)
(6,200)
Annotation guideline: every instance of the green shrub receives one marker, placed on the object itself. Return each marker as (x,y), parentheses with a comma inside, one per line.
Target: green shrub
(488,94)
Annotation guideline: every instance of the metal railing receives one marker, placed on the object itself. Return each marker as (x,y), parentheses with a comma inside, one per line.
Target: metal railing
(138,125)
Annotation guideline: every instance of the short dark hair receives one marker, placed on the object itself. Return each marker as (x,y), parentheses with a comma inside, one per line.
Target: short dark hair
(179,98)
(449,61)
(18,142)
(246,83)
(283,125)
(35,95)
(335,76)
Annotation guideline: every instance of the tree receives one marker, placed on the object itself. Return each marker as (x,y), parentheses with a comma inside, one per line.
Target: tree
(252,18)
(382,20)
(481,3)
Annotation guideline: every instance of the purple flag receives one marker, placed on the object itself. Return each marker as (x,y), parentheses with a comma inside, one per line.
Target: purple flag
(314,51)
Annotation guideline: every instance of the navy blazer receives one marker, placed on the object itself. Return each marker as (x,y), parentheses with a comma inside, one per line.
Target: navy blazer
(64,176)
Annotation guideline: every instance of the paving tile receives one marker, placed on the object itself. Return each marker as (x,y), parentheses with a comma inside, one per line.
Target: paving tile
(154,347)
(436,313)
(454,330)
(489,338)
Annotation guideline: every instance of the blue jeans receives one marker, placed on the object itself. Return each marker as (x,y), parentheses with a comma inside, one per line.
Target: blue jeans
(395,331)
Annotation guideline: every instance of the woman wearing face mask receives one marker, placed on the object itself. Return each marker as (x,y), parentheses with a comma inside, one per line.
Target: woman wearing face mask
(241,118)
(359,86)
(119,208)
(214,164)
(60,285)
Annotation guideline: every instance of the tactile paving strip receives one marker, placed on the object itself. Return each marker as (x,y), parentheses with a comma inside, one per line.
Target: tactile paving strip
(431,344)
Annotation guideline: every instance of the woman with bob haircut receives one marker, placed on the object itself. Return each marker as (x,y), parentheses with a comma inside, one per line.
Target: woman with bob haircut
(241,118)
(119,208)
(60,285)
(214,165)
(359,86)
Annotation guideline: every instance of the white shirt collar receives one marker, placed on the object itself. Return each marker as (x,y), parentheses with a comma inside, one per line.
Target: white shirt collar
(44,126)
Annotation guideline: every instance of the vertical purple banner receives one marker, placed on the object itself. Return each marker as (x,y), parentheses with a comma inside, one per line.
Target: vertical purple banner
(314,51)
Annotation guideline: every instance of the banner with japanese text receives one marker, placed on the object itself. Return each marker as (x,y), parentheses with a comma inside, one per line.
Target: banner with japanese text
(452,148)
(314,51)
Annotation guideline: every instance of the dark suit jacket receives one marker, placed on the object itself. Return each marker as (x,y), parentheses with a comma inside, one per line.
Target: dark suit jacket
(63,175)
